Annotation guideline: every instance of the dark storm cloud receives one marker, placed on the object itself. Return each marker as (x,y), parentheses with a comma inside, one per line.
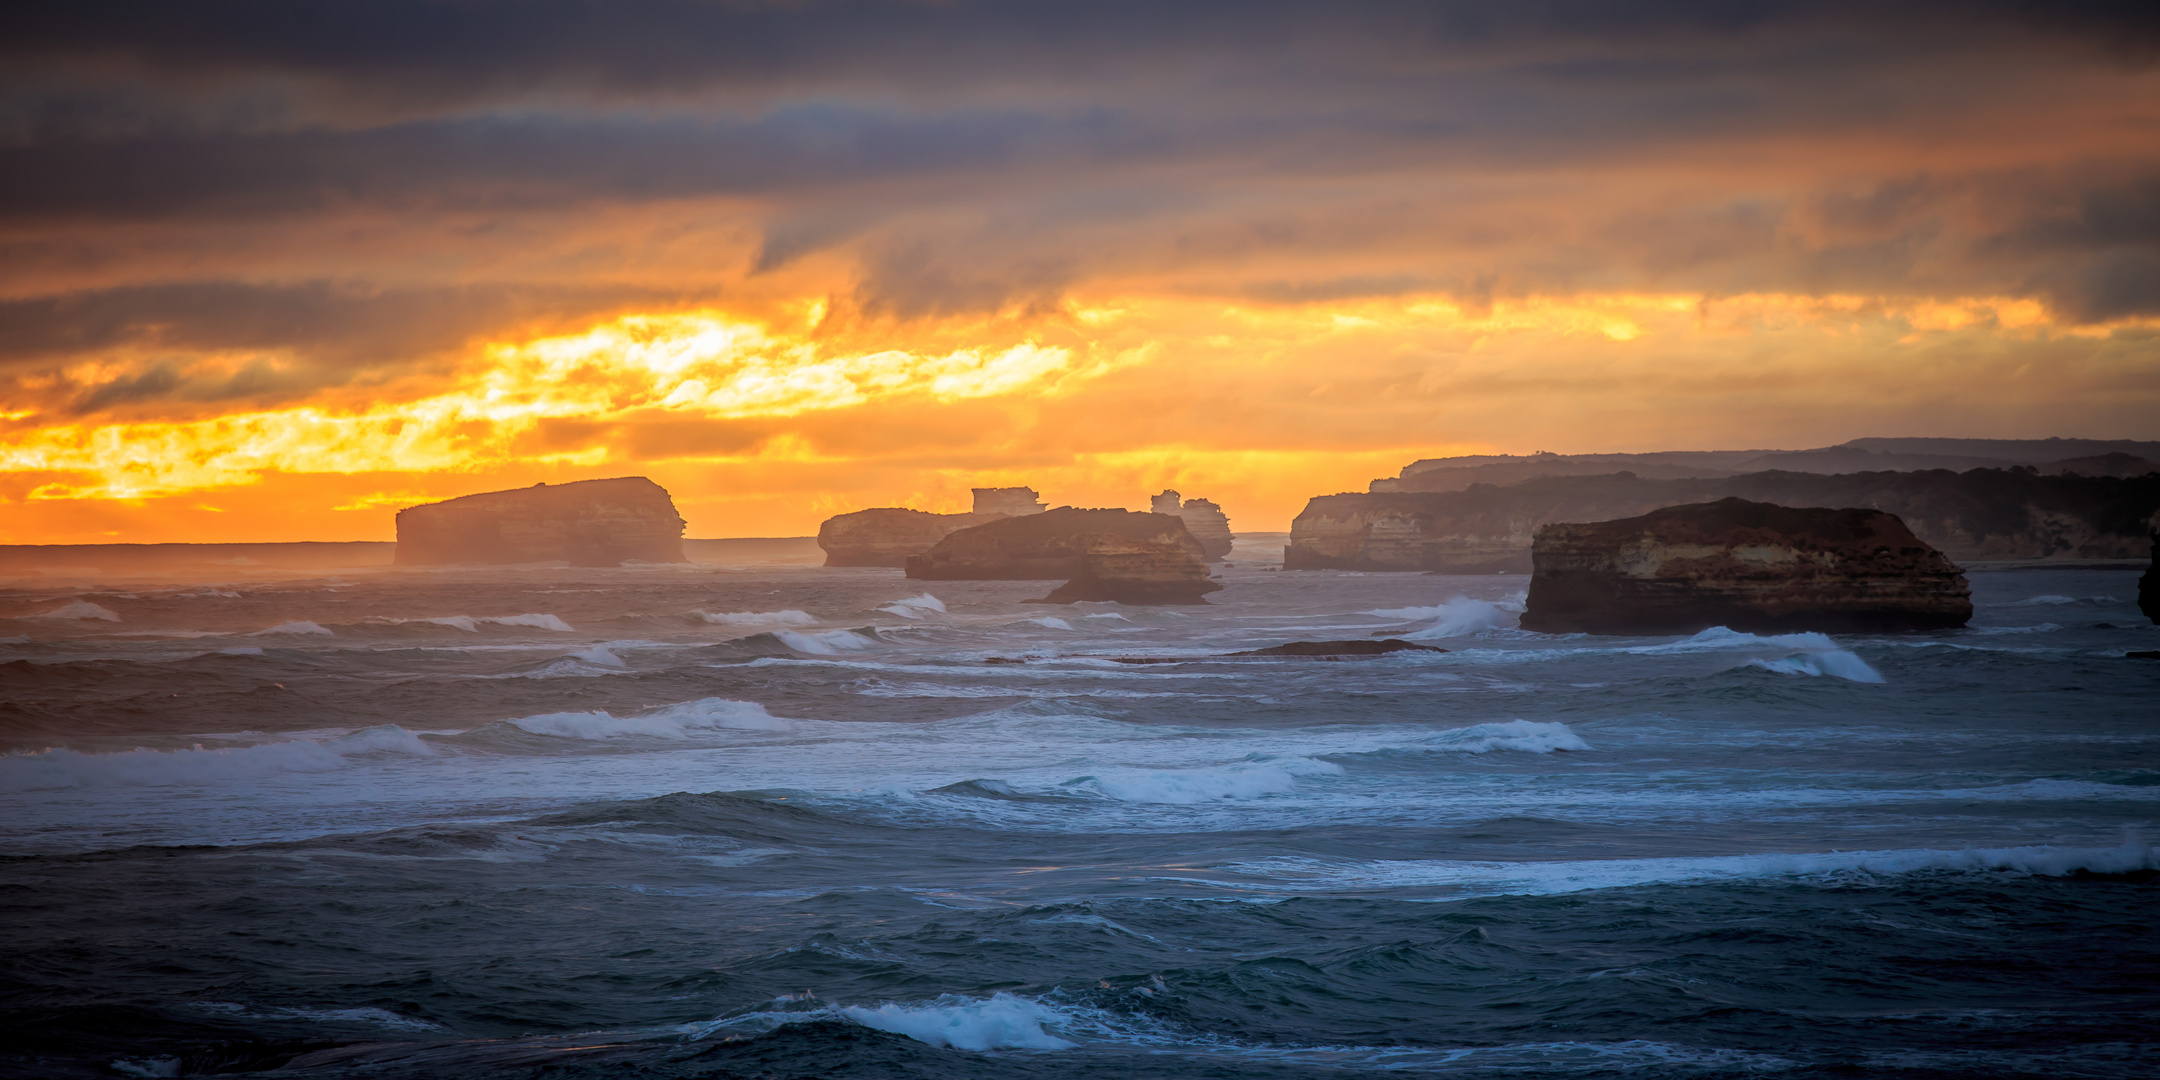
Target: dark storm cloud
(322,335)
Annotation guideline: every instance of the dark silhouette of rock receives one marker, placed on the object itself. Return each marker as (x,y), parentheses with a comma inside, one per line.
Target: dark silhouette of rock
(1205,520)
(886,536)
(1980,514)
(2149,584)
(1746,565)
(1355,647)
(589,523)
(1106,554)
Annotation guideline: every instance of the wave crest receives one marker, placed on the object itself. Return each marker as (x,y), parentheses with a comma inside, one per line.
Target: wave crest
(60,768)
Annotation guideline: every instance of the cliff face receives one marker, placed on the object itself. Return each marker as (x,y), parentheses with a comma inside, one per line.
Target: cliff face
(2149,584)
(1746,565)
(1975,515)
(1205,520)
(887,536)
(590,523)
(1048,546)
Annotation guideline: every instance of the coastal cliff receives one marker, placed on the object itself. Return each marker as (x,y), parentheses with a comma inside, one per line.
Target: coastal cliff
(1979,514)
(589,523)
(1205,520)
(886,536)
(1746,565)
(1051,545)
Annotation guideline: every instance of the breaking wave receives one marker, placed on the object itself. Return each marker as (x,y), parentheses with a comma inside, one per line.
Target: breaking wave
(1001,1021)
(157,768)
(790,617)
(298,627)
(79,609)
(1540,878)
(829,643)
(1458,617)
(673,722)
(1527,736)
(472,623)
(916,607)
(1245,780)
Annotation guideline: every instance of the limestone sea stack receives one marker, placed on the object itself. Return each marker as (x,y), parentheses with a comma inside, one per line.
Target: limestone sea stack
(1106,555)
(886,536)
(1746,565)
(2149,584)
(1205,520)
(589,523)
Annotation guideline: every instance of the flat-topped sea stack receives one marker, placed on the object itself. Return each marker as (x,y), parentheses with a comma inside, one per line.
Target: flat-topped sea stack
(1745,565)
(1205,520)
(588,523)
(886,536)
(1116,555)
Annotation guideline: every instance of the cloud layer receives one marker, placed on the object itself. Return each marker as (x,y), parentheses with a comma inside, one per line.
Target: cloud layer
(241,212)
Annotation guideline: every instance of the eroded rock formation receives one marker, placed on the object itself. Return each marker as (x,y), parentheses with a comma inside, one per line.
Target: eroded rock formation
(886,536)
(1205,520)
(1980,514)
(589,523)
(1746,565)
(1106,554)
(2149,584)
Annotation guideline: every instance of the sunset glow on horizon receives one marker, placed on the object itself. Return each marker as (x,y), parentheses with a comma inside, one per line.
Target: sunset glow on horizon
(279,293)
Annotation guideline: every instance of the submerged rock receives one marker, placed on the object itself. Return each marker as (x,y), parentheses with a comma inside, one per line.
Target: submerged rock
(1746,565)
(589,523)
(886,536)
(1108,555)
(1205,520)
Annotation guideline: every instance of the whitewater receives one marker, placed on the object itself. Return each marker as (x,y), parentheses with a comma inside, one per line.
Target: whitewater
(773,819)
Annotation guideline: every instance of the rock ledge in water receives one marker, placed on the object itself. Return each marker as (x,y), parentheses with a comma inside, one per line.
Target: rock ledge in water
(1107,555)
(886,536)
(1746,565)
(589,523)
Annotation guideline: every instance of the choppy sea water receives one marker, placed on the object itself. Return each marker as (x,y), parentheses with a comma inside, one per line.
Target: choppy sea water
(788,821)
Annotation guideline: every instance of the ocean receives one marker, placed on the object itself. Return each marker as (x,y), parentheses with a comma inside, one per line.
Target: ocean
(766,819)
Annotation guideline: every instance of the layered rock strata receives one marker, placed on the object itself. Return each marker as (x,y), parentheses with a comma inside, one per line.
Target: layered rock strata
(1980,514)
(1205,520)
(886,536)
(588,523)
(1106,554)
(1746,565)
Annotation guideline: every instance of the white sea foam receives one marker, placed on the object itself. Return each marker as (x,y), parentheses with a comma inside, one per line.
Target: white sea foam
(1539,878)
(1052,622)
(916,607)
(157,768)
(1458,617)
(472,623)
(1001,1021)
(829,643)
(1816,653)
(599,656)
(297,627)
(78,609)
(1244,780)
(1836,662)
(673,722)
(790,617)
(1528,736)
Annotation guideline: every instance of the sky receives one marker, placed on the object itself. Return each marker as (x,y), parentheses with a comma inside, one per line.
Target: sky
(272,271)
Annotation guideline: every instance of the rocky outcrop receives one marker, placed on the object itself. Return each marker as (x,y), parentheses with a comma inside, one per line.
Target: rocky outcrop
(1746,565)
(1136,571)
(1205,520)
(1010,501)
(2149,584)
(589,523)
(1102,552)
(886,536)
(1980,514)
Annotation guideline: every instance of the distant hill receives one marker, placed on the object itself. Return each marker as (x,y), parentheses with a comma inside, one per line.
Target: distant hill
(2086,457)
